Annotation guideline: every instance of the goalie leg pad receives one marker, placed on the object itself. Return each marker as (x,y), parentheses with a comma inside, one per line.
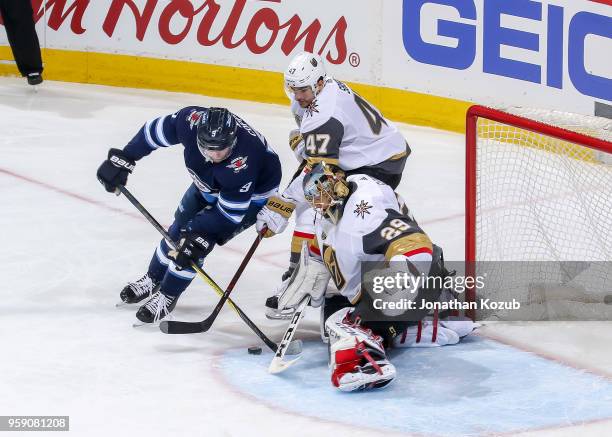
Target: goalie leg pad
(310,277)
(357,357)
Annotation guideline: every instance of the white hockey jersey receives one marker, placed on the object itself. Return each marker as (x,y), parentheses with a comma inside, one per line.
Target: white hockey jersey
(343,129)
(373,227)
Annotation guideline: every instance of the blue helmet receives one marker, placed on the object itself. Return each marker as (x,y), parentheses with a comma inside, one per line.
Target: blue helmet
(216,130)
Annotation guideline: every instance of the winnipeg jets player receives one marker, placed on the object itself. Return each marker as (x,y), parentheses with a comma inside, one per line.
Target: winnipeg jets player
(234,172)
(336,126)
(360,219)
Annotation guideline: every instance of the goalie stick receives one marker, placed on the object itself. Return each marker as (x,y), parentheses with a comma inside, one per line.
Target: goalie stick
(198,270)
(278,365)
(178,327)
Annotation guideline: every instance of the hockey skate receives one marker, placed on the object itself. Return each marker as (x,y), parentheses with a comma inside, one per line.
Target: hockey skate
(273,313)
(139,290)
(272,310)
(157,308)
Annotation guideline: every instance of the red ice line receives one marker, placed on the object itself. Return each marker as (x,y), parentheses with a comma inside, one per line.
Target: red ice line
(605,2)
(262,258)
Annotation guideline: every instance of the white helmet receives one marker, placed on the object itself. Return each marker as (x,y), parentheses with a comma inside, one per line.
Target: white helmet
(304,70)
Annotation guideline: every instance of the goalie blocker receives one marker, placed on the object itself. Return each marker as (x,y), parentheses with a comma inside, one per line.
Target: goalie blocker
(361,219)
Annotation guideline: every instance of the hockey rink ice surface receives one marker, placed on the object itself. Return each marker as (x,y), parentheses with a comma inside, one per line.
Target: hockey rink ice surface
(68,248)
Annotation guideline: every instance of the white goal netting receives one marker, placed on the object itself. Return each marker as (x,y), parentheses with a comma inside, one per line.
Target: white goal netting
(544,216)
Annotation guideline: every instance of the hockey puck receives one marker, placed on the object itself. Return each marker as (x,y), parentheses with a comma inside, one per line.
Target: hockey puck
(255,350)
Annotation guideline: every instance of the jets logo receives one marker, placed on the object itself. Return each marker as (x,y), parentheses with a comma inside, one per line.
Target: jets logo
(238,163)
(362,209)
(194,118)
(312,108)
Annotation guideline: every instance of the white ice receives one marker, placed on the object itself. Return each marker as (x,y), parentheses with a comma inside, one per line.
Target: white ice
(68,248)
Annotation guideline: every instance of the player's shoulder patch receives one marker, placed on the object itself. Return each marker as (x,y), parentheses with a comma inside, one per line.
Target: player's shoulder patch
(192,115)
(363,211)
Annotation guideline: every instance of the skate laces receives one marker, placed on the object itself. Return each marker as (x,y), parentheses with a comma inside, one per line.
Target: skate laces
(143,286)
(356,324)
(158,305)
(362,351)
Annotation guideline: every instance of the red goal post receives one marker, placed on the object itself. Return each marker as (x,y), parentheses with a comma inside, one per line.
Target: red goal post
(550,148)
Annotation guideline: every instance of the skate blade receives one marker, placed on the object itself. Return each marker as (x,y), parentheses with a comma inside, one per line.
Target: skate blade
(155,325)
(129,305)
(275,315)
(278,365)
(143,325)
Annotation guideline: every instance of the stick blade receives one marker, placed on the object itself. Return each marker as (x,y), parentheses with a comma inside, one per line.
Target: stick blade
(176,327)
(278,365)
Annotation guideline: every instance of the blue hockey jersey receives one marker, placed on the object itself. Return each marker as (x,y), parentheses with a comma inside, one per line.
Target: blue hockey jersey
(247,177)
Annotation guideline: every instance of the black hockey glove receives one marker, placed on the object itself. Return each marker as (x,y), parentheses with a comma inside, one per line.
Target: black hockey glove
(192,248)
(115,170)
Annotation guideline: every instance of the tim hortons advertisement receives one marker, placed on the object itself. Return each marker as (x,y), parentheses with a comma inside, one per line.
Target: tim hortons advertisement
(540,53)
(254,34)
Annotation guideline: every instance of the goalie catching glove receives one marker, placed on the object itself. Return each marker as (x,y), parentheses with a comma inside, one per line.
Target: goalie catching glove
(275,215)
(310,277)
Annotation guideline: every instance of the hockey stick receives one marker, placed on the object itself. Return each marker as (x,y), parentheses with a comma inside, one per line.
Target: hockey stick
(199,271)
(278,365)
(177,327)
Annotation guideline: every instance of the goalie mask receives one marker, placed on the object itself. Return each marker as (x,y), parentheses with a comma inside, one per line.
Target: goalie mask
(326,190)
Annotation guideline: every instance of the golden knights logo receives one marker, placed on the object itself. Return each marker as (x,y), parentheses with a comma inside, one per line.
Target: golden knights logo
(312,108)
(238,163)
(362,209)
(331,262)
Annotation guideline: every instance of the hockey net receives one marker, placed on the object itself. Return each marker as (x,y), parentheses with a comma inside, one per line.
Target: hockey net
(539,213)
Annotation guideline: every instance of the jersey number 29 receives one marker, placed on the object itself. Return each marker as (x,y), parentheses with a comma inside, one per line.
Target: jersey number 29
(396,227)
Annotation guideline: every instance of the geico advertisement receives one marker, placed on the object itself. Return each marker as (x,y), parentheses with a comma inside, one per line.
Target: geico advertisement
(246,33)
(553,53)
